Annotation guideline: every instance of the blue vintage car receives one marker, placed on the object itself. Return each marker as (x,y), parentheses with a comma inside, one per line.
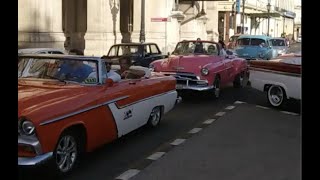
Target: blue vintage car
(255,47)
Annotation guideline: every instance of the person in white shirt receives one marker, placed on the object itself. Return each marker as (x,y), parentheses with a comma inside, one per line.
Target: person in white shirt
(111,74)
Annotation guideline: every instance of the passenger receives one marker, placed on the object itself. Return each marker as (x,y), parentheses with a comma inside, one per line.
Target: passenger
(212,50)
(126,72)
(110,74)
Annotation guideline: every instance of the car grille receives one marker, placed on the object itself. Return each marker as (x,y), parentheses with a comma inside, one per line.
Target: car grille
(188,79)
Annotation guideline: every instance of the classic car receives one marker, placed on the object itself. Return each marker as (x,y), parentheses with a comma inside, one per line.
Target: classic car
(252,47)
(279,78)
(232,41)
(280,45)
(40,51)
(201,66)
(62,116)
(142,54)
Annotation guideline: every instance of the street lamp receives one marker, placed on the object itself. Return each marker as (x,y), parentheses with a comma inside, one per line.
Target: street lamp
(268,8)
(142,25)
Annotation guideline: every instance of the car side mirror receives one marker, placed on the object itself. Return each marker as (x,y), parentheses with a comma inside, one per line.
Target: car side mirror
(109,82)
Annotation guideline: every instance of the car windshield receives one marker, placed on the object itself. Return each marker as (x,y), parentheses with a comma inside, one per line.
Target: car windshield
(123,50)
(66,70)
(196,47)
(250,42)
(278,42)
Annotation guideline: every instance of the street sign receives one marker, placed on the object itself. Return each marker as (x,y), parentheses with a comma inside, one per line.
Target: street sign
(159,19)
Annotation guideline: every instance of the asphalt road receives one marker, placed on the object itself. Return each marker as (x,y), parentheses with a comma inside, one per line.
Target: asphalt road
(109,161)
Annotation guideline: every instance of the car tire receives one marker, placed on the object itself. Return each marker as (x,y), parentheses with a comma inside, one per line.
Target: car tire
(239,80)
(216,87)
(67,152)
(276,96)
(155,117)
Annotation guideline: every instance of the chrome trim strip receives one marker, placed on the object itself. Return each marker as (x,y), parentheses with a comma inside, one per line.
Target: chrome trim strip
(81,111)
(274,71)
(120,107)
(31,161)
(32,142)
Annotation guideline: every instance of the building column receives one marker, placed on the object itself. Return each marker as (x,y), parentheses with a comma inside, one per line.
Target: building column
(227,30)
(99,36)
(40,24)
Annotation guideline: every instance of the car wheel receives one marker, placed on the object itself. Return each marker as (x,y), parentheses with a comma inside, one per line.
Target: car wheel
(239,80)
(216,87)
(66,153)
(155,117)
(276,96)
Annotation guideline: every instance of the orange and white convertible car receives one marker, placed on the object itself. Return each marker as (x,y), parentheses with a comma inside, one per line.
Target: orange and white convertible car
(60,117)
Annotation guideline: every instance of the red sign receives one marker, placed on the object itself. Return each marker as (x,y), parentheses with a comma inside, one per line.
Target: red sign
(160,19)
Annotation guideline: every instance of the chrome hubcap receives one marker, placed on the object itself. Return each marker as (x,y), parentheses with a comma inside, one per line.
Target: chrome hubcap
(275,95)
(66,153)
(155,116)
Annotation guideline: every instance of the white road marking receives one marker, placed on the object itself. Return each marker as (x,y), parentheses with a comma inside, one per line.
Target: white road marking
(209,121)
(195,130)
(177,142)
(156,156)
(220,113)
(263,107)
(230,107)
(128,174)
(239,102)
(291,113)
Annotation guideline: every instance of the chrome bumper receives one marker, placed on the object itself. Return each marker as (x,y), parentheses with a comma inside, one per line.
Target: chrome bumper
(196,88)
(31,161)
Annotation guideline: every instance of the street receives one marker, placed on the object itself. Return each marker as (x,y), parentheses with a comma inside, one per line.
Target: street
(111,160)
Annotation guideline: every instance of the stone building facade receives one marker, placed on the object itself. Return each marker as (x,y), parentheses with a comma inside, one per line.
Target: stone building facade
(95,25)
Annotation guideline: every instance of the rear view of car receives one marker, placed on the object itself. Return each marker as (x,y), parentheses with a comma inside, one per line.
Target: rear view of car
(253,47)
(280,45)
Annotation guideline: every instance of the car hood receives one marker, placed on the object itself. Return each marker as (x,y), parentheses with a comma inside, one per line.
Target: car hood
(42,102)
(192,63)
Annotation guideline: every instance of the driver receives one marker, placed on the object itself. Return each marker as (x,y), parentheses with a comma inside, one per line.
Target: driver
(74,70)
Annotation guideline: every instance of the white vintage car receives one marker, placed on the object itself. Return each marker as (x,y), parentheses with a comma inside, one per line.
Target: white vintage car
(280,78)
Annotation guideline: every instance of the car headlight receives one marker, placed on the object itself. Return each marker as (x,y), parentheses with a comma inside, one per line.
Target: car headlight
(26,127)
(204,71)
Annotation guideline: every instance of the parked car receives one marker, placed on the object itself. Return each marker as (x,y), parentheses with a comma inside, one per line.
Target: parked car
(202,66)
(252,47)
(232,41)
(40,51)
(279,78)
(280,45)
(142,54)
(60,117)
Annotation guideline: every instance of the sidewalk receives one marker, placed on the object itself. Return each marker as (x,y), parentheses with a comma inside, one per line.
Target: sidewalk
(247,142)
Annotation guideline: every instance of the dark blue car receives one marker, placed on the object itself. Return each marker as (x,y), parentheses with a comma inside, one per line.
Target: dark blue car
(253,47)
(142,54)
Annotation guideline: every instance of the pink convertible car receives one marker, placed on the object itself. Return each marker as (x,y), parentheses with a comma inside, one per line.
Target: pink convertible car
(203,66)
